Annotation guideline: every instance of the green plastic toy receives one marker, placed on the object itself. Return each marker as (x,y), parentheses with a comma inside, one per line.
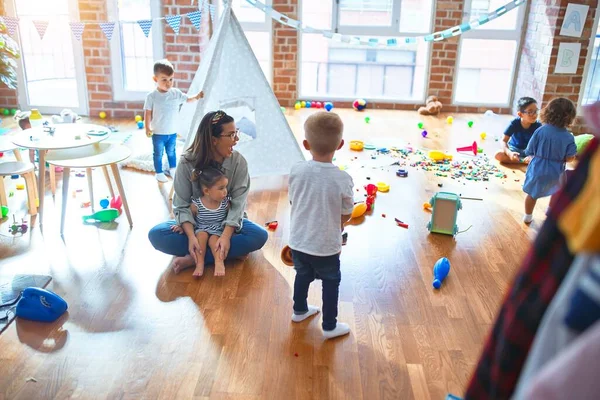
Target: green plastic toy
(108,215)
(582,141)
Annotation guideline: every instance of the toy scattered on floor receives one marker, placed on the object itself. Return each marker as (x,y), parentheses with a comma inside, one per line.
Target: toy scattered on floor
(86,204)
(424,134)
(426,206)
(420,125)
(138,118)
(140,125)
(102,114)
(359,104)
(104,203)
(11,193)
(39,304)
(367,119)
(483,135)
(488,113)
(80,174)
(401,223)
(14,176)
(432,107)
(437,155)
(441,269)
(470,124)
(371,193)
(402,173)
(383,187)
(272,225)
(20,186)
(359,210)
(450,120)
(297,106)
(479,150)
(328,106)
(116,203)
(108,215)
(4,211)
(472,148)
(357,145)
(445,208)
(308,104)
(18,228)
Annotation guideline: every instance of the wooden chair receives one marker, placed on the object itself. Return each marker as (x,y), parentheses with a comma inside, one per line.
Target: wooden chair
(26,170)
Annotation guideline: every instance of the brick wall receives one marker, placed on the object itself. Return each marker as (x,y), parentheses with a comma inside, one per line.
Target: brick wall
(285,54)
(8,97)
(536,77)
(182,50)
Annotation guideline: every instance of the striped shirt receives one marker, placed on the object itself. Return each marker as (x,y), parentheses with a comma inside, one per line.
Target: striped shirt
(209,220)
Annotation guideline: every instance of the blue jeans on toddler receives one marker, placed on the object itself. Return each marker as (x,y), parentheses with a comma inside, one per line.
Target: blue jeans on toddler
(160,143)
(308,268)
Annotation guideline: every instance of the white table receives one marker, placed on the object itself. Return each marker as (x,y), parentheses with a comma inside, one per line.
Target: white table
(7,145)
(66,136)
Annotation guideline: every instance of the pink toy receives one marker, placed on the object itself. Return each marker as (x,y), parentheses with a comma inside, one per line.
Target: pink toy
(472,148)
(116,203)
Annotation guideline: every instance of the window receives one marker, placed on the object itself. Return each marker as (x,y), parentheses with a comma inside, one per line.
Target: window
(132,53)
(332,69)
(487,56)
(591,90)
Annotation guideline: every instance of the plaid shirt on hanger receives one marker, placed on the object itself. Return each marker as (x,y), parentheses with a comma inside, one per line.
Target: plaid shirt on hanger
(541,273)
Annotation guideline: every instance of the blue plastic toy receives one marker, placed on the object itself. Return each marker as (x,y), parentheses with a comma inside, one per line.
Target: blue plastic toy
(441,269)
(39,304)
(104,203)
(140,124)
(328,106)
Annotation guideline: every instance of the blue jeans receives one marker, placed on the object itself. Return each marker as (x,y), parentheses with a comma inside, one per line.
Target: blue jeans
(308,268)
(251,238)
(160,143)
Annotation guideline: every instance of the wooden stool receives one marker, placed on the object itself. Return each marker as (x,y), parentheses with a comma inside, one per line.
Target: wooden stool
(95,155)
(26,170)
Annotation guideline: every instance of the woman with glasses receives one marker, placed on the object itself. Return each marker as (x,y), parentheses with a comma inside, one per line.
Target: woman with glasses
(212,147)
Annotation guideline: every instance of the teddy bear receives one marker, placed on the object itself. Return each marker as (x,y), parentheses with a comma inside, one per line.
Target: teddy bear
(432,106)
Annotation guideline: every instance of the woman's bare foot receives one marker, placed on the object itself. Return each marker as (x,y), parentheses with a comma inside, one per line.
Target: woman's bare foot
(199,271)
(219,268)
(181,263)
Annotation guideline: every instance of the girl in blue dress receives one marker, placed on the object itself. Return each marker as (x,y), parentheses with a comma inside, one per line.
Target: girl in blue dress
(550,147)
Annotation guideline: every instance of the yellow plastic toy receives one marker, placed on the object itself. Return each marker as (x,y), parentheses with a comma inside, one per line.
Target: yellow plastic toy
(483,135)
(102,114)
(383,187)
(357,145)
(20,186)
(297,106)
(449,120)
(138,118)
(359,210)
(437,155)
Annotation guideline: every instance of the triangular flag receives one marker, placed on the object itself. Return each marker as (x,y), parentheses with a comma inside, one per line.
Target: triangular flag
(108,29)
(77,28)
(146,25)
(174,22)
(212,9)
(196,18)
(11,24)
(41,27)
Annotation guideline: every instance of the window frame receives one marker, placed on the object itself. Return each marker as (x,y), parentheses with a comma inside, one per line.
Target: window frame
(588,62)
(515,34)
(369,31)
(120,93)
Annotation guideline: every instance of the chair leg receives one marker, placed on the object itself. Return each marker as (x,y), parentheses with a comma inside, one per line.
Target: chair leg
(88,172)
(65,195)
(115,170)
(108,183)
(52,172)
(17,154)
(31,197)
(3,200)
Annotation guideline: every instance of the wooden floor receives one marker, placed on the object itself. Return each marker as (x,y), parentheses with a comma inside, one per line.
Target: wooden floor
(134,330)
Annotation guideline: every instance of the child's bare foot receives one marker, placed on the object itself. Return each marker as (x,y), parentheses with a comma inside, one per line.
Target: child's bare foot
(181,263)
(219,268)
(199,271)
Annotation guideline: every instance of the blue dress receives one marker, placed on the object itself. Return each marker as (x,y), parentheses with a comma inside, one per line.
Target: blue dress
(550,146)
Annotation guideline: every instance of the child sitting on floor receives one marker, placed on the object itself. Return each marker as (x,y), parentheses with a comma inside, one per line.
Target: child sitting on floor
(550,147)
(519,132)
(321,199)
(210,211)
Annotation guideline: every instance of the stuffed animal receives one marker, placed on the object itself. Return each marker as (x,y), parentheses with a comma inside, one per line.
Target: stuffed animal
(432,106)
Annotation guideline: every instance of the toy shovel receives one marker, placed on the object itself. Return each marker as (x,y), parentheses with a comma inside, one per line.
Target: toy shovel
(108,215)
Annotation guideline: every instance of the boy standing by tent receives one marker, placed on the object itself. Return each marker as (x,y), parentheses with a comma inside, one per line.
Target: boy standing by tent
(315,232)
(160,116)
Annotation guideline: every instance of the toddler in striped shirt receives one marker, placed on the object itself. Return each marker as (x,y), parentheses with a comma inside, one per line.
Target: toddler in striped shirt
(210,211)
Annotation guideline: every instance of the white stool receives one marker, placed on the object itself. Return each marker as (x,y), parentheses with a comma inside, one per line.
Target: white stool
(26,170)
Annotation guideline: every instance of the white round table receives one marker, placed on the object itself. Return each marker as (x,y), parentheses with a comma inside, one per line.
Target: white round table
(65,136)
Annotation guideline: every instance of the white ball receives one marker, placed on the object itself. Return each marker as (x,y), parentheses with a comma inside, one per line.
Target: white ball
(488,113)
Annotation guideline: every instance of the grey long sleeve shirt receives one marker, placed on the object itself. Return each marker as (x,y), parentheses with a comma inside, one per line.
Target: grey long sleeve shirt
(236,170)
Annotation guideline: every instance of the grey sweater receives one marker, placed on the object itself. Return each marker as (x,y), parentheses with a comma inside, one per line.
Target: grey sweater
(236,170)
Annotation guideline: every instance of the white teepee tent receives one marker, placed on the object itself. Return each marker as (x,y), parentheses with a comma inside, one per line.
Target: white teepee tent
(232,80)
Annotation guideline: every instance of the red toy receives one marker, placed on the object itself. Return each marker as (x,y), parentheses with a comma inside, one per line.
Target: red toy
(272,225)
(472,148)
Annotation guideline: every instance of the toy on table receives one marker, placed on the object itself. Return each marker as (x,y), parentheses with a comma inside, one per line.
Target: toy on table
(4,210)
(35,118)
(18,228)
(437,155)
(445,208)
(432,107)
(471,148)
(39,304)
(357,145)
(108,215)
(359,104)
(328,106)
(402,173)
(441,269)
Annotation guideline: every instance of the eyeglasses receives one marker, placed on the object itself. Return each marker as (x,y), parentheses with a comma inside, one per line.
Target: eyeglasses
(233,136)
(531,112)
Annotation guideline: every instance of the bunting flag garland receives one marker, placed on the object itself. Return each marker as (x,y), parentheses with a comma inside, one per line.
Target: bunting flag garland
(77,28)
(195,18)
(108,28)
(11,24)
(146,25)
(212,9)
(41,27)
(174,22)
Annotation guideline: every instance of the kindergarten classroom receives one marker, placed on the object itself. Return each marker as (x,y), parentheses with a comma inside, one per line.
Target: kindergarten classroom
(136,330)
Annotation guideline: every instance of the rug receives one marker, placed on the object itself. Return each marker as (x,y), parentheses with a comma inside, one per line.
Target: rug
(10,291)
